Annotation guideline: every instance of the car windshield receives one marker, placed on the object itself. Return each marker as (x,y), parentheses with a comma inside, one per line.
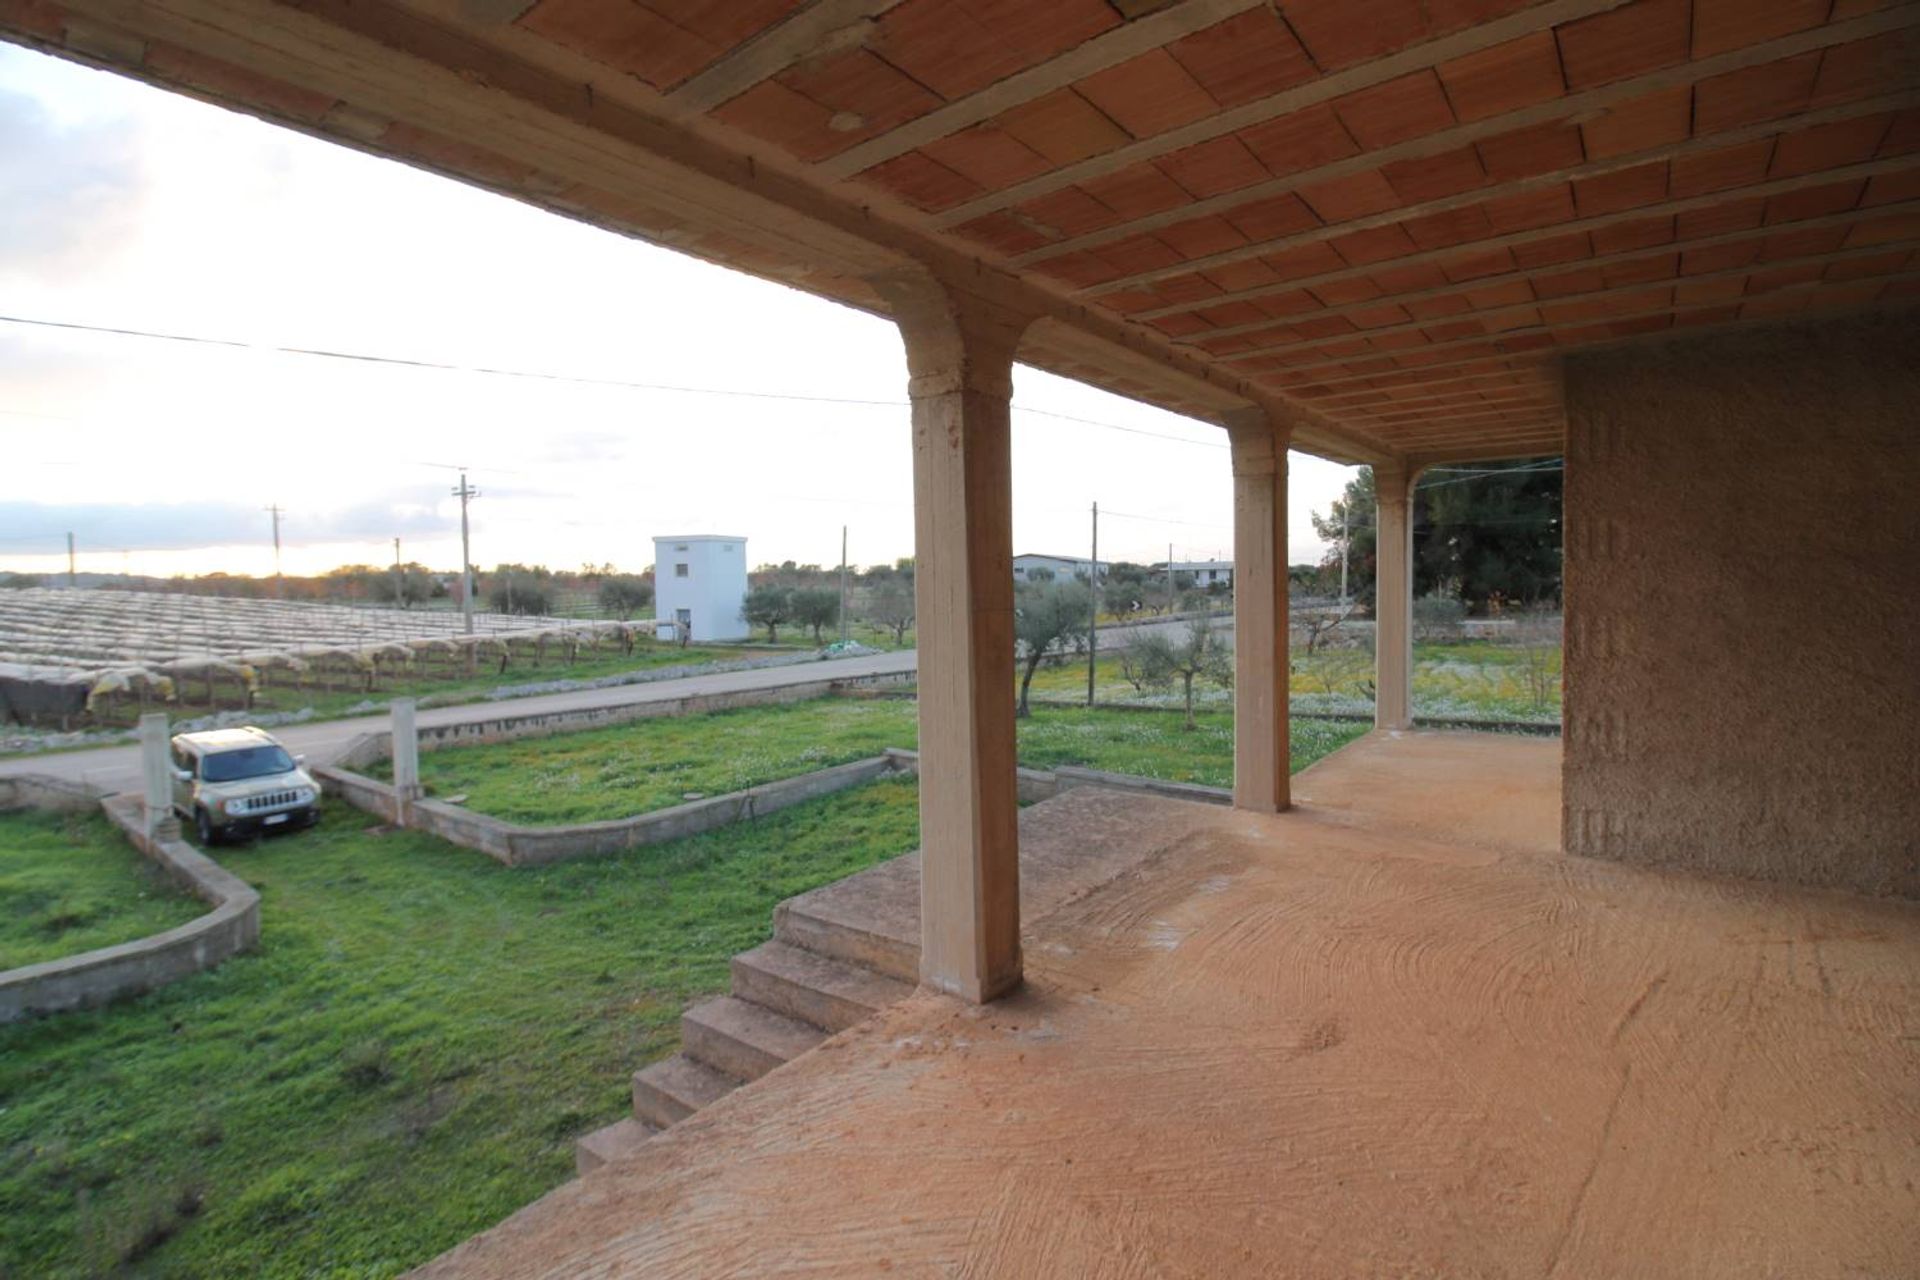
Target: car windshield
(248,762)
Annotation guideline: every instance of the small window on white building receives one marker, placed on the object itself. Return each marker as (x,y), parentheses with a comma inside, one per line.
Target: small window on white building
(680,571)
(679,546)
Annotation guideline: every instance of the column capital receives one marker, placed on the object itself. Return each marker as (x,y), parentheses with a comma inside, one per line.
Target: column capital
(1392,484)
(956,341)
(1258,440)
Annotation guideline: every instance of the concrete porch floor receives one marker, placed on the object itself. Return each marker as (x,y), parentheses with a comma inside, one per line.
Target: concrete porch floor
(1393,1032)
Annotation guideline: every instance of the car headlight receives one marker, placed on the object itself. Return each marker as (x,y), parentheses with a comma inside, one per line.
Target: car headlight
(238,805)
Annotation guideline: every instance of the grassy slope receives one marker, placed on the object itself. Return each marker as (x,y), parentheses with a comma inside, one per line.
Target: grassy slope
(407,1058)
(648,764)
(71,882)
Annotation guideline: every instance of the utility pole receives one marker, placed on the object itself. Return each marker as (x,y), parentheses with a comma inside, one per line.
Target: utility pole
(843,584)
(466,493)
(73,576)
(399,578)
(1345,542)
(1093,622)
(1169,577)
(279,583)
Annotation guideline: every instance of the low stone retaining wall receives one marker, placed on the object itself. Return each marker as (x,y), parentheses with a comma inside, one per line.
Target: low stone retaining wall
(96,977)
(1044,784)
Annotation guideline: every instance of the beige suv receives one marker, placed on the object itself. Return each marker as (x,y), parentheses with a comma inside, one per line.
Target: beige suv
(240,782)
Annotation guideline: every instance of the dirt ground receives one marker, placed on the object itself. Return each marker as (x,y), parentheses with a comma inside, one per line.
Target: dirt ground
(1404,1038)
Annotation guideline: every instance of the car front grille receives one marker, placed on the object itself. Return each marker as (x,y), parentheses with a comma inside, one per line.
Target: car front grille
(272,800)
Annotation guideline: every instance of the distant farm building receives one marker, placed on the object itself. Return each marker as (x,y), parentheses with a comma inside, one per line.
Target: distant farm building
(1061,567)
(700,581)
(1206,573)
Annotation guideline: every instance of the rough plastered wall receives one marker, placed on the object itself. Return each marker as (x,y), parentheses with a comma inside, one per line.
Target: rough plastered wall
(1743,604)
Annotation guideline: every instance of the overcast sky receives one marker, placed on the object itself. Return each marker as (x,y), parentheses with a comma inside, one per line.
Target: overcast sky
(124,206)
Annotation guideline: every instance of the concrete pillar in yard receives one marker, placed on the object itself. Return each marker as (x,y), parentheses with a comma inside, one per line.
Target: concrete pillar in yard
(960,365)
(156,770)
(1393,599)
(1261,748)
(406,751)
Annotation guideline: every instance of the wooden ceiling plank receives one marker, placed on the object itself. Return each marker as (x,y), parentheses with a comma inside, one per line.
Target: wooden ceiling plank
(1419,57)
(825,25)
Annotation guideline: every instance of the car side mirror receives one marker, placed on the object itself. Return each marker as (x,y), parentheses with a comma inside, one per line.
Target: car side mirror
(299,759)
(183,775)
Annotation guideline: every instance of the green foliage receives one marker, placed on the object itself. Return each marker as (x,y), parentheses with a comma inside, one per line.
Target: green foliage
(1438,616)
(890,607)
(405,1060)
(624,595)
(520,589)
(72,882)
(768,606)
(815,607)
(19,581)
(1049,619)
(1198,654)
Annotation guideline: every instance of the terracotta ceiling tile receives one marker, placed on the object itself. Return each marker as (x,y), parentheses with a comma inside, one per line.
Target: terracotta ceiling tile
(1179,325)
(1504,78)
(1567,283)
(1634,233)
(624,36)
(1213,167)
(1379,317)
(1341,293)
(922,182)
(1624,42)
(1200,237)
(1530,152)
(1180,290)
(1339,33)
(1722,168)
(1623,189)
(1231,313)
(1137,191)
(1069,211)
(1307,260)
(1553,250)
(991,157)
(1765,92)
(1293,303)
(1530,209)
(724,23)
(1875,264)
(1720,25)
(776,114)
(1409,107)
(1814,202)
(1435,177)
(1064,127)
(1130,301)
(1735,215)
(1885,229)
(1325,326)
(1407,279)
(1642,270)
(1249,56)
(1343,199)
(1300,141)
(1706,316)
(1880,64)
(1139,253)
(1719,257)
(1771,278)
(1640,124)
(1378,244)
(1455,226)
(1269,219)
(1904,136)
(1803,243)
(1448,304)
(867,95)
(1694,293)
(1232,277)
(1828,146)
(1474,266)
(1081,270)
(1888,188)
(1511,293)
(1149,94)
(956,47)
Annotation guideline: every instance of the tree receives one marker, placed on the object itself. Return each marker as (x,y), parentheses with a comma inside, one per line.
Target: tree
(768,606)
(624,595)
(816,607)
(890,607)
(1048,617)
(1491,531)
(1198,655)
(406,586)
(521,589)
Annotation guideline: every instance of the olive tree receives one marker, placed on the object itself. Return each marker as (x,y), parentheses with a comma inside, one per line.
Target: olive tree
(1049,617)
(624,595)
(769,607)
(1199,654)
(815,607)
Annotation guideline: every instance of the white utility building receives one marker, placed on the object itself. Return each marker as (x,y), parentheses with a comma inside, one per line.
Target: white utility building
(700,580)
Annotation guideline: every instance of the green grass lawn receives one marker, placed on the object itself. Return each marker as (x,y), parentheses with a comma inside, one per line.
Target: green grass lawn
(71,882)
(406,1059)
(648,764)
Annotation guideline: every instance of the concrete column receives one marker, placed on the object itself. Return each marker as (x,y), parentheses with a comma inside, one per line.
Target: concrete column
(156,770)
(1261,749)
(960,361)
(1393,599)
(406,751)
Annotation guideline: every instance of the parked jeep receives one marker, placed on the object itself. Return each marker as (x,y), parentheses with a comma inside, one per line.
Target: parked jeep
(240,782)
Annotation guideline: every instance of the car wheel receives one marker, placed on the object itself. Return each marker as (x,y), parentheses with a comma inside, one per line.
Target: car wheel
(203,827)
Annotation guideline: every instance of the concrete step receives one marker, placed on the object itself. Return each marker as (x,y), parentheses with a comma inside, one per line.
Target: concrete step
(743,1040)
(811,924)
(830,994)
(614,1142)
(674,1088)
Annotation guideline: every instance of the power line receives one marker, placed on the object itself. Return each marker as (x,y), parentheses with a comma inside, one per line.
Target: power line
(362,357)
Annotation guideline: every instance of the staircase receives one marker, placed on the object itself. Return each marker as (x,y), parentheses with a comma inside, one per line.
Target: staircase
(817,975)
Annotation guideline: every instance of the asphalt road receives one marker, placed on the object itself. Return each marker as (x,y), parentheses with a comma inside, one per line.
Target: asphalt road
(117,768)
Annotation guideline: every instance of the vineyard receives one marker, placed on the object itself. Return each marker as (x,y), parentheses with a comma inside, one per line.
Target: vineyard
(95,656)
